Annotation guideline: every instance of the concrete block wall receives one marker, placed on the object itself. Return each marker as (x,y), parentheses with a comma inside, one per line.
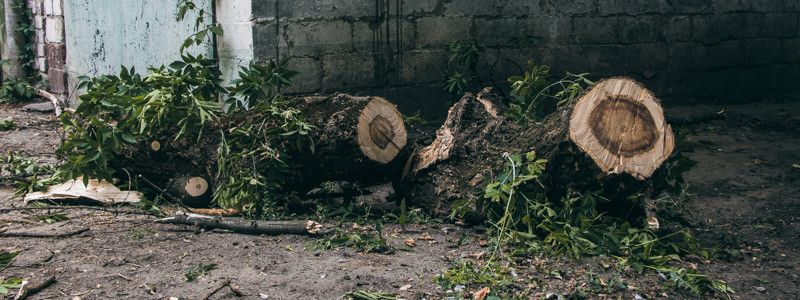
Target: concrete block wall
(48,20)
(685,50)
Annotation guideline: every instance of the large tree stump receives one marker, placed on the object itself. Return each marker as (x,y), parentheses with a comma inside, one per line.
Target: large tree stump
(614,137)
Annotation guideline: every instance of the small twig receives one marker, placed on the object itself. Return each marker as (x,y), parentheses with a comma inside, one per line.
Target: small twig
(42,235)
(123,277)
(31,289)
(213,291)
(163,192)
(16,221)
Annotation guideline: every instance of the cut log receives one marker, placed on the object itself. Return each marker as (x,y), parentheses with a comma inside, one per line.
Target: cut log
(356,139)
(621,126)
(613,137)
(191,190)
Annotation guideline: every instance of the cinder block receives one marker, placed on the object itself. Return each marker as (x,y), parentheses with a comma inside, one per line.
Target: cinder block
(263,9)
(368,36)
(234,10)
(641,29)
(237,36)
(676,28)
(310,78)
(687,56)
(54,30)
(496,32)
(347,71)
(47,5)
(633,7)
(41,64)
(768,5)
(780,25)
(725,54)
(597,30)
(319,38)
(335,9)
(790,48)
(470,8)
(423,66)
(604,60)
(572,7)
(56,54)
(646,57)
(437,32)
(58,81)
(265,41)
(421,7)
(58,8)
(691,6)
(725,6)
(762,51)
(513,8)
(714,28)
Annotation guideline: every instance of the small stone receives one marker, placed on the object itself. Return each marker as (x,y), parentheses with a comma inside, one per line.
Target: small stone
(761,289)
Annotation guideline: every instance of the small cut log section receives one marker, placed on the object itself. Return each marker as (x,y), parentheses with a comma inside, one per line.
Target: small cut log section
(614,137)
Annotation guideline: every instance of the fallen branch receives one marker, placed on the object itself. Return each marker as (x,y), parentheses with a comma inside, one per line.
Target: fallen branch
(245,226)
(42,235)
(30,289)
(58,105)
(105,209)
(224,283)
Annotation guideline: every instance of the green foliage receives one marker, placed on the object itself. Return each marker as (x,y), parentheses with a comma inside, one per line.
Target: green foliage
(516,204)
(6,258)
(119,110)
(7,124)
(462,68)
(18,165)
(362,241)
(203,31)
(52,217)
(9,283)
(258,84)
(468,274)
(26,27)
(251,169)
(194,272)
(138,233)
(530,92)
(16,89)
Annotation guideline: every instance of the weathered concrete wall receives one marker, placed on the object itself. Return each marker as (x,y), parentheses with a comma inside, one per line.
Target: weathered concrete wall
(103,35)
(235,46)
(685,50)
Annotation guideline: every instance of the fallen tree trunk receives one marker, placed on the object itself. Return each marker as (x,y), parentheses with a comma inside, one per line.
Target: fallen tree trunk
(613,138)
(355,139)
(245,226)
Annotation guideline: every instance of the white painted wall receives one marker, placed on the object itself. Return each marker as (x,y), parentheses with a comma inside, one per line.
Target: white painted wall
(235,46)
(102,35)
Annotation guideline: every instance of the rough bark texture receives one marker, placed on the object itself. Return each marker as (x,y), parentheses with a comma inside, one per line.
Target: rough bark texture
(341,153)
(470,145)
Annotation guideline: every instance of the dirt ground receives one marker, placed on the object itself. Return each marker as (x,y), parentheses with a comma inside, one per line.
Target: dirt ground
(745,202)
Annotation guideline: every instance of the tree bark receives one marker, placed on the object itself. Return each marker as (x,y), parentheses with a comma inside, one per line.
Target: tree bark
(613,137)
(356,139)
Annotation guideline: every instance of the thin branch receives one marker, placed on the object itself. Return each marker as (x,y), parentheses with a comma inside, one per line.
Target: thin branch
(42,235)
(105,209)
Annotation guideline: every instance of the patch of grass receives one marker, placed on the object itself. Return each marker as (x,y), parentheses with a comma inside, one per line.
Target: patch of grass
(362,241)
(138,233)
(366,295)
(8,124)
(194,272)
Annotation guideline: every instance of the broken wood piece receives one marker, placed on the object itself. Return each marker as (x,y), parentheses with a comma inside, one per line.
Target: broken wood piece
(30,289)
(245,226)
(43,235)
(221,285)
(58,105)
(102,192)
